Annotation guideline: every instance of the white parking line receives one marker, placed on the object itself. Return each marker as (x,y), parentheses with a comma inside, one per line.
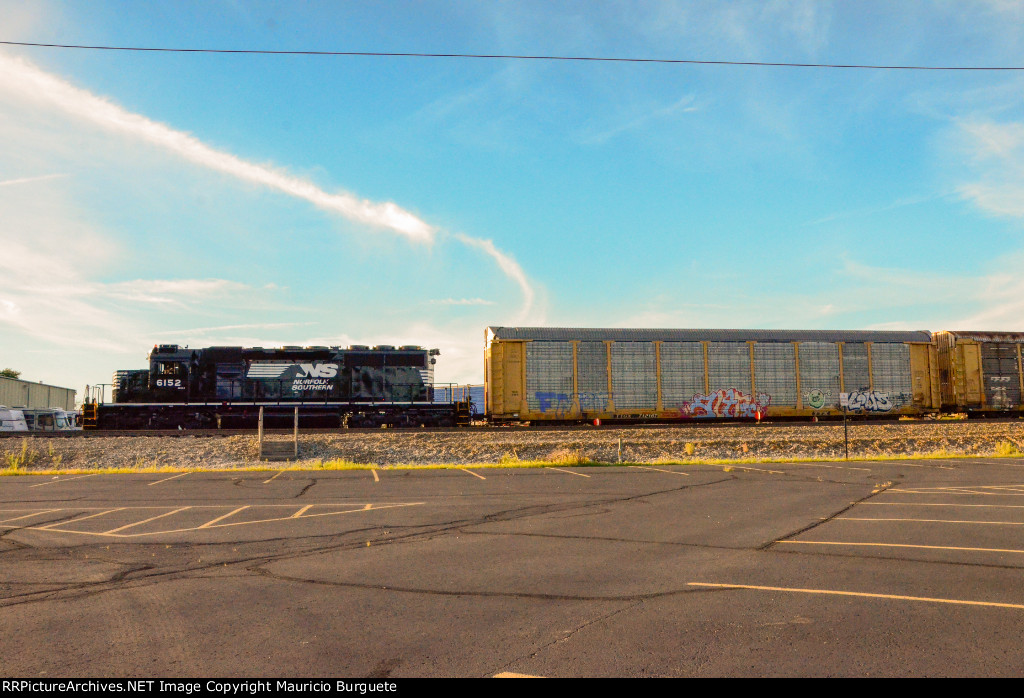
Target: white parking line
(471,473)
(567,471)
(67,479)
(375,478)
(168,478)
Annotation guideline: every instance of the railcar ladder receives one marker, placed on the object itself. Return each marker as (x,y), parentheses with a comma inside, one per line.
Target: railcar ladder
(463,413)
(90,418)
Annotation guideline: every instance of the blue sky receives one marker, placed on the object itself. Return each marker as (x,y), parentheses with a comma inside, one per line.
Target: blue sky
(271,200)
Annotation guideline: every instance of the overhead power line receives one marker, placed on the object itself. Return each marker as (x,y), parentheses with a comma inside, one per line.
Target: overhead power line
(600,59)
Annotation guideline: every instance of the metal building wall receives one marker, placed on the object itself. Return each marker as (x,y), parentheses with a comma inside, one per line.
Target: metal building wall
(729,366)
(890,371)
(819,374)
(592,375)
(549,376)
(634,376)
(682,372)
(775,372)
(19,393)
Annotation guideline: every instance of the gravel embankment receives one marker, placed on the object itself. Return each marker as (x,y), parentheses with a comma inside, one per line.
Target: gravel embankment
(389,448)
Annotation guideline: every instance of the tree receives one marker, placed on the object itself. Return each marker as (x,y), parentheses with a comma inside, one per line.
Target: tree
(10,373)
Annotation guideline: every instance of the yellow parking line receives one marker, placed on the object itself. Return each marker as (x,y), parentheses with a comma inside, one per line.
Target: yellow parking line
(471,473)
(233,523)
(822,465)
(139,523)
(221,518)
(660,470)
(900,463)
(561,470)
(963,490)
(862,594)
(375,478)
(259,521)
(944,504)
(266,481)
(513,675)
(760,470)
(71,521)
(26,516)
(1001,523)
(167,478)
(67,479)
(301,511)
(902,545)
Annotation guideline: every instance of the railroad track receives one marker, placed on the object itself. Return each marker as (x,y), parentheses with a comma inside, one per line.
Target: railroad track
(222,433)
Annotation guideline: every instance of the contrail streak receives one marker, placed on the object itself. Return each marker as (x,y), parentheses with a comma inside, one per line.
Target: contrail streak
(509,266)
(37,85)
(33,84)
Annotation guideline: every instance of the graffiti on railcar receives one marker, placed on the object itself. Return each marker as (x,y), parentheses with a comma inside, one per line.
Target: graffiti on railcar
(560,404)
(726,403)
(869,401)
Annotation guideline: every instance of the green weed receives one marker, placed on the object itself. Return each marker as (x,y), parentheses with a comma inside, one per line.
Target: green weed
(1006,448)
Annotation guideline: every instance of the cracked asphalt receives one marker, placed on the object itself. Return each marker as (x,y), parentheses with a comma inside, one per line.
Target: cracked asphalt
(901,568)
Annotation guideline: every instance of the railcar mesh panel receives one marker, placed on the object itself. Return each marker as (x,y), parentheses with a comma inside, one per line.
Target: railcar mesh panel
(819,374)
(592,375)
(1002,380)
(682,373)
(634,376)
(855,367)
(775,373)
(729,366)
(890,368)
(549,376)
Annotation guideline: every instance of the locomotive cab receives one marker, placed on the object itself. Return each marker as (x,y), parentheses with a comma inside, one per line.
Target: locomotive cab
(169,373)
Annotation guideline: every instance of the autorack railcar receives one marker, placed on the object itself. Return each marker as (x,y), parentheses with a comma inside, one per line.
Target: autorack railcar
(541,374)
(981,373)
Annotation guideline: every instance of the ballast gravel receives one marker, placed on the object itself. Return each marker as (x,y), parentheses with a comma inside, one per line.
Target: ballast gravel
(518,444)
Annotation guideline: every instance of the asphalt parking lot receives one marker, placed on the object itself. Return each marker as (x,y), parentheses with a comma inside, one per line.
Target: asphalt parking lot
(901,568)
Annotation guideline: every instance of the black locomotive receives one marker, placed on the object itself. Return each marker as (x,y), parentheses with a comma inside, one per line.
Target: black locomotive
(225,387)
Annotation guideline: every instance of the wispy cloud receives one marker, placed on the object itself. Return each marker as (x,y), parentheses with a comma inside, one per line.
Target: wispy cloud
(597,135)
(996,152)
(228,328)
(857,213)
(31,83)
(461,301)
(29,180)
